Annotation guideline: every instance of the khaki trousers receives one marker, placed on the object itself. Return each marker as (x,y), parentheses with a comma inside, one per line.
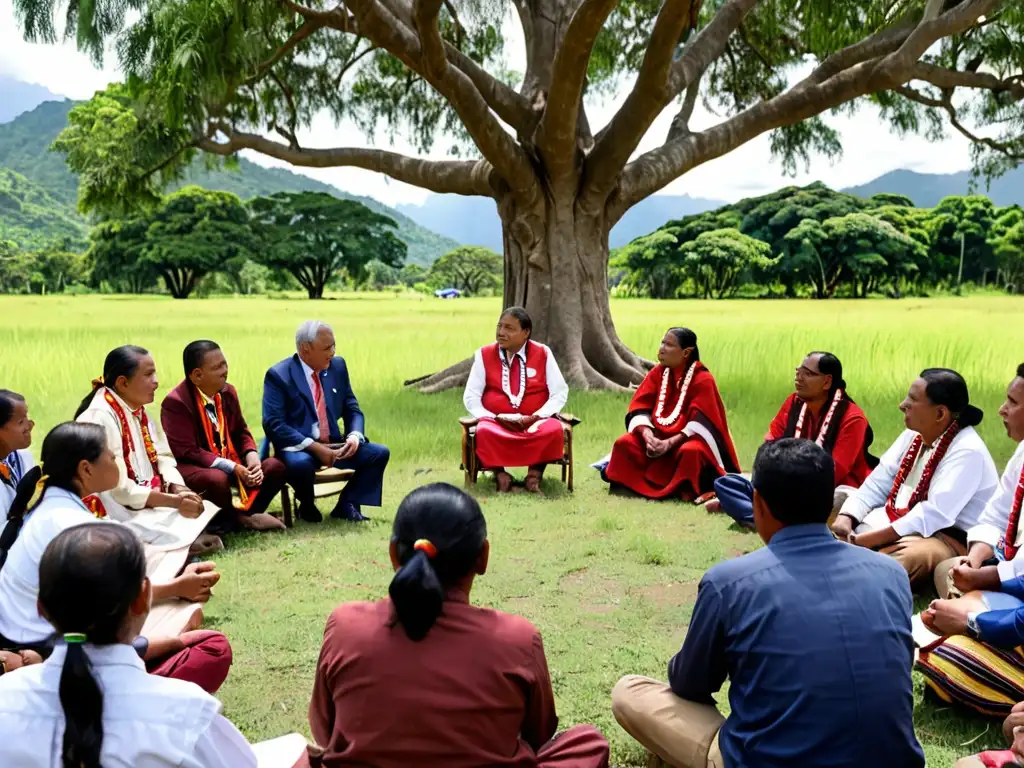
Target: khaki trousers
(682,733)
(921,556)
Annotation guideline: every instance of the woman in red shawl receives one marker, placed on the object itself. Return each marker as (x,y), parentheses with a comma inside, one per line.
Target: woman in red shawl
(677,440)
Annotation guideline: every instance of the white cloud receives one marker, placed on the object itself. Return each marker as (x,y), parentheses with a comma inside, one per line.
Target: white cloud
(869,148)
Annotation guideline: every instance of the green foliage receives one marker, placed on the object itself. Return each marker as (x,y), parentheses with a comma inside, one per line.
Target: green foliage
(653,264)
(718,261)
(314,236)
(472,269)
(380,275)
(33,219)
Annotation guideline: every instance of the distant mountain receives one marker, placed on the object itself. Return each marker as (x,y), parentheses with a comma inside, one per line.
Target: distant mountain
(24,149)
(17,97)
(474,220)
(927,189)
(32,218)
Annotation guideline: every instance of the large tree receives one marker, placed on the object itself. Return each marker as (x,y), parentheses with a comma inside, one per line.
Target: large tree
(223,76)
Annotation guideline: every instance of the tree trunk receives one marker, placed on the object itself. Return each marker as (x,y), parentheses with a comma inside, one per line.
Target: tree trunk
(556,266)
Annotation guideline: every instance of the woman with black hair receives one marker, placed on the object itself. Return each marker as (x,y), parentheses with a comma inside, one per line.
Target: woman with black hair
(15,438)
(821,410)
(677,440)
(425,678)
(931,486)
(150,493)
(91,703)
(77,463)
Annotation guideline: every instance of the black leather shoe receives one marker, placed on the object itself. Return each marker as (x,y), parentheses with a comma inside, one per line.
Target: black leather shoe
(345,510)
(310,513)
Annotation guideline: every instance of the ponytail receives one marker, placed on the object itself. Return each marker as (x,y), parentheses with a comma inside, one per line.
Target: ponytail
(121,361)
(16,513)
(417,595)
(438,535)
(82,701)
(971,416)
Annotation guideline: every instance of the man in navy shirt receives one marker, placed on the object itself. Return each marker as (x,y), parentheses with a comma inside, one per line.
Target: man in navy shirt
(813,634)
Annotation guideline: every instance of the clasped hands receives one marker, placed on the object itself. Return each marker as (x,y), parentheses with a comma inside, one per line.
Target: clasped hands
(656,447)
(250,474)
(843,530)
(190,503)
(328,455)
(516,422)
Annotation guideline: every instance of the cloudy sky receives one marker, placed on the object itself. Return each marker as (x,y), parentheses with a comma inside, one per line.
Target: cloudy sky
(869,148)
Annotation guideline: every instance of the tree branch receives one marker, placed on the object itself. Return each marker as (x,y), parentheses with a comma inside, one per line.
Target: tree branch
(425,15)
(556,136)
(681,122)
(506,103)
(465,177)
(942,77)
(308,27)
(655,169)
(660,80)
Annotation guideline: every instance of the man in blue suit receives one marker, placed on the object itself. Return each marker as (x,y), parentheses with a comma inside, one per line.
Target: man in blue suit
(303,399)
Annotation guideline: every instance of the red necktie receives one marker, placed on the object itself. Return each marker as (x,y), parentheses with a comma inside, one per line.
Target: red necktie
(321,409)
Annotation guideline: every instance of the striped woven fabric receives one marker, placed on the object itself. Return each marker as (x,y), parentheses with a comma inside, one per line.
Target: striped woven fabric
(964,671)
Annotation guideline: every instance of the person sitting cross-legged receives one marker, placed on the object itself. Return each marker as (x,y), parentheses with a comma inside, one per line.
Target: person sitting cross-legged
(514,389)
(424,678)
(303,399)
(820,410)
(91,702)
(813,635)
(213,446)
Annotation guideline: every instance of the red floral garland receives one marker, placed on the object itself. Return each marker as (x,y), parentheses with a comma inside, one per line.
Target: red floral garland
(128,447)
(95,505)
(909,459)
(1009,542)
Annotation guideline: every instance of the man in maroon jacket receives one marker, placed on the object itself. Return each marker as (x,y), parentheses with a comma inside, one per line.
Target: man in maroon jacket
(215,451)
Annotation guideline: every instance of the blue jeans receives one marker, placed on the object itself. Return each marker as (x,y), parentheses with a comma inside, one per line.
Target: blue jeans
(736,495)
(364,488)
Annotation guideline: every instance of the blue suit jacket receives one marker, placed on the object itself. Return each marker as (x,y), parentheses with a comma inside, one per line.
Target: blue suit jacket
(289,415)
(1004,629)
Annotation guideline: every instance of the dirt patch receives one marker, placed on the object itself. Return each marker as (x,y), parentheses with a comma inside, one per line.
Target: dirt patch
(595,594)
(673,595)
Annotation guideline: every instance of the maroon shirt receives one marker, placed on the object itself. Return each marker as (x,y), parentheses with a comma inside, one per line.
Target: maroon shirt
(474,692)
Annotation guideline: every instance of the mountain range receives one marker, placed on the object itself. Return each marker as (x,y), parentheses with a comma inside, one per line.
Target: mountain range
(38,192)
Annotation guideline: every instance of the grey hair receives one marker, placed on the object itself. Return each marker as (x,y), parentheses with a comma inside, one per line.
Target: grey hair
(309,330)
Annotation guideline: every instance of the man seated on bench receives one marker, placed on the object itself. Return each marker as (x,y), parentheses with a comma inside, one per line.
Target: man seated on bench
(514,388)
(813,635)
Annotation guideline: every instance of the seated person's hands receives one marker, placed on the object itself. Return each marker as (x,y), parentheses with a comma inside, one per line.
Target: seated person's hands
(17,659)
(1015,718)
(946,617)
(843,527)
(190,504)
(196,582)
(511,421)
(348,449)
(255,467)
(969,579)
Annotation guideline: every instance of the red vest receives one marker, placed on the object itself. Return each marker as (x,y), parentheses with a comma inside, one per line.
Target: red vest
(495,400)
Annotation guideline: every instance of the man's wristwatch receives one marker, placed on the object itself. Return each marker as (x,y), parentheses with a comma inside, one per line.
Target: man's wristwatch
(972,625)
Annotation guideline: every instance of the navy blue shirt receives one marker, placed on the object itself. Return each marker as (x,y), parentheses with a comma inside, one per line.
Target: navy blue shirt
(814,636)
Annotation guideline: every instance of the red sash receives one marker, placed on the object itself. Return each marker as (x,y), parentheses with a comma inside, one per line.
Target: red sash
(226,450)
(909,459)
(128,446)
(94,505)
(1009,542)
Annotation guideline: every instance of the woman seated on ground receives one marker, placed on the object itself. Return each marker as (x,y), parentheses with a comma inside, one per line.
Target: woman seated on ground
(77,463)
(148,474)
(677,440)
(92,703)
(425,678)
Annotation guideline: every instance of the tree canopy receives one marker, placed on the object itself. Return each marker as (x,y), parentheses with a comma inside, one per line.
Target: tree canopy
(471,269)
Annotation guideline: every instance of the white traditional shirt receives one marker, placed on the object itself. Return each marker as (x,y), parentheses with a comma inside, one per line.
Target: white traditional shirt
(558,390)
(133,495)
(148,721)
(19,462)
(961,486)
(992,525)
(19,578)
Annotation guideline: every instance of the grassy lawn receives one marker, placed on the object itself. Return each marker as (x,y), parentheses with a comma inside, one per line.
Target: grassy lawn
(609,582)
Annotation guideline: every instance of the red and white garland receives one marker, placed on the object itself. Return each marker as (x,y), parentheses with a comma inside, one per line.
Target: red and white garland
(1009,542)
(909,459)
(506,383)
(673,417)
(820,440)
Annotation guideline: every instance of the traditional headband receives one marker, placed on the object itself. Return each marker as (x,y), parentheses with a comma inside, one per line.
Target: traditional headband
(75,638)
(426,547)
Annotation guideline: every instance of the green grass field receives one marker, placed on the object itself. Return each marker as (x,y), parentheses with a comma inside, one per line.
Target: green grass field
(609,582)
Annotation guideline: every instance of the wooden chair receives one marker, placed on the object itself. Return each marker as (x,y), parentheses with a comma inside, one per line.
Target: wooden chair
(328,481)
(472,469)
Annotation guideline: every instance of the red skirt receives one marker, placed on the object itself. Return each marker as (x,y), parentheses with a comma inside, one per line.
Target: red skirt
(676,474)
(497,446)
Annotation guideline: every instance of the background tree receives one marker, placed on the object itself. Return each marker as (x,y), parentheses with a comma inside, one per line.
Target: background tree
(314,236)
(222,75)
(959,227)
(380,275)
(719,261)
(654,264)
(412,275)
(471,269)
(115,256)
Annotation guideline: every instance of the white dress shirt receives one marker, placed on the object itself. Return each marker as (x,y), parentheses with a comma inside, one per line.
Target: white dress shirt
(148,721)
(992,526)
(7,492)
(558,390)
(133,495)
(961,486)
(19,578)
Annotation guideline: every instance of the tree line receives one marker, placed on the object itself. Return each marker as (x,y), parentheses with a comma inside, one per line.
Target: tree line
(814,241)
(198,237)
